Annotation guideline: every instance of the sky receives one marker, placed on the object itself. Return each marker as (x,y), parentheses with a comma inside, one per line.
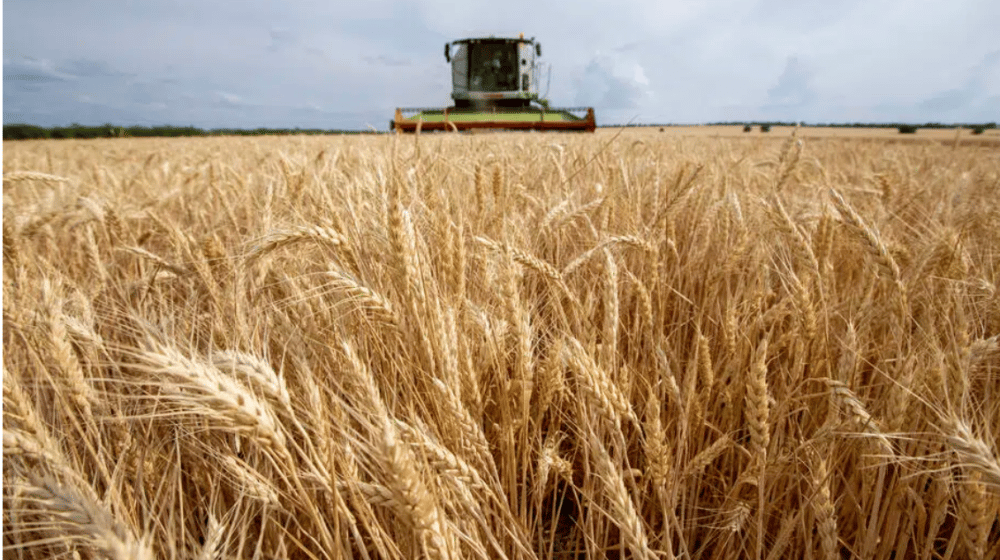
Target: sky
(339,64)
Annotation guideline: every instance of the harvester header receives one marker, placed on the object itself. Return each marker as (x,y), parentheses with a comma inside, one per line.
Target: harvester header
(494,86)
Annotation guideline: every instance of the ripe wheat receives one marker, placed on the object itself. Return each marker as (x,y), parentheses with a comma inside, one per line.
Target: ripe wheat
(497,346)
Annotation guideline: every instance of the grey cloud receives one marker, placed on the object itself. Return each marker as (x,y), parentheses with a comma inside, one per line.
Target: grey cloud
(988,111)
(806,16)
(383,60)
(141,93)
(990,60)
(30,78)
(86,68)
(318,53)
(948,101)
(629,46)
(965,98)
(150,92)
(33,70)
(793,88)
(600,87)
(281,37)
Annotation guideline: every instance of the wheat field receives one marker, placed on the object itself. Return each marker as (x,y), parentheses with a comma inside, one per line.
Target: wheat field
(501,346)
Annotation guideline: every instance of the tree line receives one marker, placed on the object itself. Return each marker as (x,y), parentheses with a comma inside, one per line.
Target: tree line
(976,128)
(30,131)
(932,125)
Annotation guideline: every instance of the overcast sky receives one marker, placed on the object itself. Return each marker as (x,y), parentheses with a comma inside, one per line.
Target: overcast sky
(340,64)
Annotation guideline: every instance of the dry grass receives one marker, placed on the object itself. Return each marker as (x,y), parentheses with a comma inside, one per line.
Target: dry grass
(502,346)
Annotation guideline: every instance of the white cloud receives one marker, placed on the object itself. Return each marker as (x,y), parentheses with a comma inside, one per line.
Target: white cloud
(34,70)
(230,99)
(639,75)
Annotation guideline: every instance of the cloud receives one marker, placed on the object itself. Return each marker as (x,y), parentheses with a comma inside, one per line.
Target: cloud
(227,99)
(793,88)
(639,75)
(627,47)
(383,60)
(612,82)
(149,92)
(281,38)
(252,63)
(948,101)
(971,97)
(318,53)
(30,78)
(33,70)
(85,68)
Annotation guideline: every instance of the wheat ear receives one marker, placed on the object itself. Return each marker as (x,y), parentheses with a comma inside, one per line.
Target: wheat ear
(758,409)
(373,304)
(533,263)
(873,244)
(202,390)
(823,509)
(973,452)
(597,386)
(80,517)
(277,239)
(22,176)
(623,509)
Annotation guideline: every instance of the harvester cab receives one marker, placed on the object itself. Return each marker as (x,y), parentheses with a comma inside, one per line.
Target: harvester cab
(493,72)
(494,86)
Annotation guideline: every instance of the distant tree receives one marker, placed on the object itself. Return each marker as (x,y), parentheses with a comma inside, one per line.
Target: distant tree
(907,129)
(765,128)
(24,132)
(747,128)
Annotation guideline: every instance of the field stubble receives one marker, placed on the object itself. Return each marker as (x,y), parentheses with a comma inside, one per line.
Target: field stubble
(501,346)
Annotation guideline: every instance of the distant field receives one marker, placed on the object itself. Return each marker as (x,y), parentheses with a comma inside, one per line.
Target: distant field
(696,344)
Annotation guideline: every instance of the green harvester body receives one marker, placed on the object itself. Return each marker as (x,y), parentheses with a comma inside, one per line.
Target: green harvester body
(494,87)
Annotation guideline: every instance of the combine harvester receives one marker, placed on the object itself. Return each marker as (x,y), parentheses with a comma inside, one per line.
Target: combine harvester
(495,87)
